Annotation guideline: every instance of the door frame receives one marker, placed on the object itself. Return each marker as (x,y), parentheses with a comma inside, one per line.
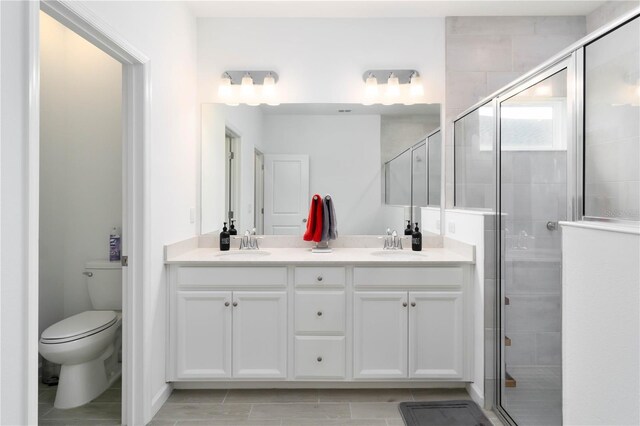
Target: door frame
(136,102)
(268,158)
(568,63)
(258,224)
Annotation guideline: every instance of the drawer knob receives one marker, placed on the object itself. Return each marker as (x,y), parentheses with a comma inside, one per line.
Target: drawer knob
(235,303)
(226,303)
(413,303)
(404,304)
(319,277)
(319,313)
(319,359)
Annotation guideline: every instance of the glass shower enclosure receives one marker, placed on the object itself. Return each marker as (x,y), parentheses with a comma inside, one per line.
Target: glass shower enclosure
(560,144)
(535,162)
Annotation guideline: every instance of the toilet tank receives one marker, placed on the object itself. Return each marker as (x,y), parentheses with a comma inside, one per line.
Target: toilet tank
(104,282)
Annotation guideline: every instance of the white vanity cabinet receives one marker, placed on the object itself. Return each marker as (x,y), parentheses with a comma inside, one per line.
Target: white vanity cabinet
(412,333)
(335,323)
(224,330)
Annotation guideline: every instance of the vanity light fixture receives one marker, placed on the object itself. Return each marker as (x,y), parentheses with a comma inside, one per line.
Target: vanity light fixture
(415,85)
(248,87)
(371,89)
(399,86)
(393,86)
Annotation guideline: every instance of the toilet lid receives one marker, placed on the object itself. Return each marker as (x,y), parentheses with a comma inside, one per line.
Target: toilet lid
(79,325)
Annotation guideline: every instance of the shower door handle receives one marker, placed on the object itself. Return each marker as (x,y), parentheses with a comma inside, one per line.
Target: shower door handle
(552,226)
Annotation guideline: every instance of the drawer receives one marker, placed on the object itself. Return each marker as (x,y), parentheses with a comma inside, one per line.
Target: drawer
(320,311)
(225,276)
(402,277)
(306,276)
(320,357)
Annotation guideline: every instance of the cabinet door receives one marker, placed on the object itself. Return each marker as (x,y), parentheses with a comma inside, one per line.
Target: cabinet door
(203,334)
(435,335)
(259,334)
(380,335)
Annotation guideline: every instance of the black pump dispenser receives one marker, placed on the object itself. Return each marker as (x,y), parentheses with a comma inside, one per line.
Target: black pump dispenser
(232,229)
(408,230)
(225,239)
(416,239)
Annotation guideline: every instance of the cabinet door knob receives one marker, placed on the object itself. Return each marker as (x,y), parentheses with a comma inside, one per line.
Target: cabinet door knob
(226,303)
(319,359)
(319,277)
(319,313)
(413,303)
(404,304)
(235,303)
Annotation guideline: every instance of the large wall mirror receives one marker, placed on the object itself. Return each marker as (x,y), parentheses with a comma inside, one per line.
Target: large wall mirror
(261,165)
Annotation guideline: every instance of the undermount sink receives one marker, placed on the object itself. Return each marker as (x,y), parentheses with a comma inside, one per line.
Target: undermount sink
(244,253)
(399,254)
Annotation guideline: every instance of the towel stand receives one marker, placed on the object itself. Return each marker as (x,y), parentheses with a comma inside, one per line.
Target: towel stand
(322,247)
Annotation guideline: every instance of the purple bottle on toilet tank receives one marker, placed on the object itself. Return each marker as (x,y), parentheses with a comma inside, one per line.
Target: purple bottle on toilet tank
(114,245)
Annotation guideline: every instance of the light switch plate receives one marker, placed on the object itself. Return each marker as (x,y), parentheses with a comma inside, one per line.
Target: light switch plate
(452,227)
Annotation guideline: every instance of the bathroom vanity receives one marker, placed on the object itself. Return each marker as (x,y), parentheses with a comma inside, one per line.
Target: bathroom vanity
(287,315)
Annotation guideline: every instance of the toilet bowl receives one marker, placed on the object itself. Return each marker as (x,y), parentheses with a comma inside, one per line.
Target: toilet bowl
(87,345)
(84,345)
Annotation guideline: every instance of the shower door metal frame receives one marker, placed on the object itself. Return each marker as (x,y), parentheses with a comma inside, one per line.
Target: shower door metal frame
(568,63)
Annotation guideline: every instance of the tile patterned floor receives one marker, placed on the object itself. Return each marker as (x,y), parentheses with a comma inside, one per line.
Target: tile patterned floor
(289,407)
(264,407)
(104,410)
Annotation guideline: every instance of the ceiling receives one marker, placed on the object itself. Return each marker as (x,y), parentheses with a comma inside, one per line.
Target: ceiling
(387,9)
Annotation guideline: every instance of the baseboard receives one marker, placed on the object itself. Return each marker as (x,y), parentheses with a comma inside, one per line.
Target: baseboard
(239,384)
(159,399)
(475,394)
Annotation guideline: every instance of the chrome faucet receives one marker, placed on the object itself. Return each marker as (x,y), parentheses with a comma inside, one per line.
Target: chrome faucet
(392,241)
(249,240)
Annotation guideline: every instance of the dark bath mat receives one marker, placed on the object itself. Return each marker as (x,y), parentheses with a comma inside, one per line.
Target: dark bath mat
(443,413)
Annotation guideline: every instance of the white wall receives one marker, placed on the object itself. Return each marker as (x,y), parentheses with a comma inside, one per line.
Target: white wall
(600,325)
(476,227)
(80,165)
(320,60)
(344,161)
(14,351)
(245,122)
(166,33)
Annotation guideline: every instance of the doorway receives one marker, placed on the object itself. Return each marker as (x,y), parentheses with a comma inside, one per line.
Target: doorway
(232,177)
(536,152)
(80,211)
(134,192)
(258,191)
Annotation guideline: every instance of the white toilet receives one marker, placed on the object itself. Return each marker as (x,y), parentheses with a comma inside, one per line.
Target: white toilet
(87,345)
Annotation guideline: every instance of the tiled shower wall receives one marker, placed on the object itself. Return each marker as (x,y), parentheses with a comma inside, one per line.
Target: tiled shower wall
(485,53)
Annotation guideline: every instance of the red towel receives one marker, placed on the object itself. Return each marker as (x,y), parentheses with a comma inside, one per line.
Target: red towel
(314,223)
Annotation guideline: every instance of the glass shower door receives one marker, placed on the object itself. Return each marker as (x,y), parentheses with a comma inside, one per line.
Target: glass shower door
(533,198)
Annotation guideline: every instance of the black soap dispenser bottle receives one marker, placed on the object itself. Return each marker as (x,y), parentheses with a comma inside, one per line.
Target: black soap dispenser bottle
(225,239)
(408,230)
(232,229)
(416,239)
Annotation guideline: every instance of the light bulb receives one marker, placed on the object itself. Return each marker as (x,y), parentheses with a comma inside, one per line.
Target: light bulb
(393,86)
(269,86)
(415,86)
(246,88)
(371,86)
(224,89)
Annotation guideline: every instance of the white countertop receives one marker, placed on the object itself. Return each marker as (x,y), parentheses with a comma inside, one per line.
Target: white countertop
(304,256)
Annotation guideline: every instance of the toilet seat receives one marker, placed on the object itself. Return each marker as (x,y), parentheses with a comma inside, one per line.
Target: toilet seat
(79,326)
